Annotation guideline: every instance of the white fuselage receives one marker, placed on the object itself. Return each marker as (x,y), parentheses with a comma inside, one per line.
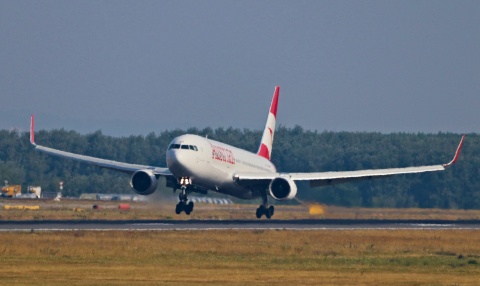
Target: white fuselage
(212,164)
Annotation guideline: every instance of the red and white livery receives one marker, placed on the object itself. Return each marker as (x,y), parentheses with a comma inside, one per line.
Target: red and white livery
(198,164)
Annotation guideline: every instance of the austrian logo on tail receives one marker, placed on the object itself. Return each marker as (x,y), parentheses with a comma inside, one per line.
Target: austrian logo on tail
(265,149)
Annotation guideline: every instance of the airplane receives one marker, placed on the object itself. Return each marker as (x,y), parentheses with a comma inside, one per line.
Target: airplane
(199,164)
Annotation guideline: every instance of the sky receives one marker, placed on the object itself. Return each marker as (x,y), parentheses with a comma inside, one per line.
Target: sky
(136,67)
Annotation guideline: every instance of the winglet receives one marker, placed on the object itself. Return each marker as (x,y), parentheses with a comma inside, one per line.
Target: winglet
(457,153)
(32,130)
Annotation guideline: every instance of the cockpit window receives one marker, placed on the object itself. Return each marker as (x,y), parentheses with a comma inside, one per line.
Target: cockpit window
(193,147)
(185,147)
(174,146)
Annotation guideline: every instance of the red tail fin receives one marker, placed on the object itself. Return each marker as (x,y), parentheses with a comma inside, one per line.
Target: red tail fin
(265,149)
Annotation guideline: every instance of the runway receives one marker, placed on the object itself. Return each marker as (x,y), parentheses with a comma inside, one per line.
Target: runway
(201,225)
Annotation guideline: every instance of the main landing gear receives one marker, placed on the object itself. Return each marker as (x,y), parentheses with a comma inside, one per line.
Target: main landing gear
(264,209)
(183,205)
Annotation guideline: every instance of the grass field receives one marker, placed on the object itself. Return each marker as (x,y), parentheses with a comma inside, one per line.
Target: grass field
(233,257)
(82,210)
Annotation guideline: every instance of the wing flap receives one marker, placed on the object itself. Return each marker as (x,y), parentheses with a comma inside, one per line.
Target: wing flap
(327,178)
(364,173)
(331,178)
(254,176)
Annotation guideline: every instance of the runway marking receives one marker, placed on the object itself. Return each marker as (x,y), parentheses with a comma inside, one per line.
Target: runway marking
(235,228)
(160,223)
(198,225)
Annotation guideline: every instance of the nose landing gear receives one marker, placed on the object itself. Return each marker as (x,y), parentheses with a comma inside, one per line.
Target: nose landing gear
(183,205)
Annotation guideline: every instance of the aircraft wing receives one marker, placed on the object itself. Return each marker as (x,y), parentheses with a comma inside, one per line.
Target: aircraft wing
(330,178)
(103,163)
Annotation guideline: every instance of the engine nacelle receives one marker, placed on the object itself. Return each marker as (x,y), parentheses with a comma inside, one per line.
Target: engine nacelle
(144,182)
(282,188)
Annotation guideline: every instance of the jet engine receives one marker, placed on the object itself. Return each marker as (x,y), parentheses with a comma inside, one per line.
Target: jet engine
(144,182)
(282,188)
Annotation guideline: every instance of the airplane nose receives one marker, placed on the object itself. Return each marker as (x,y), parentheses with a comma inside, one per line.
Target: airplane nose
(177,162)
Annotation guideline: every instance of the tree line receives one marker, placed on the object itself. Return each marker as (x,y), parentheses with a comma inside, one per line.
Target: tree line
(294,150)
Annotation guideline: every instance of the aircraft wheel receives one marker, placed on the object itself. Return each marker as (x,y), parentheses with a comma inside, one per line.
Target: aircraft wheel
(262,210)
(189,208)
(179,208)
(259,213)
(271,210)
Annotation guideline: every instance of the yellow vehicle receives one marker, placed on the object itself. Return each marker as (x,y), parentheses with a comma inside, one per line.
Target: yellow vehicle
(11,190)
